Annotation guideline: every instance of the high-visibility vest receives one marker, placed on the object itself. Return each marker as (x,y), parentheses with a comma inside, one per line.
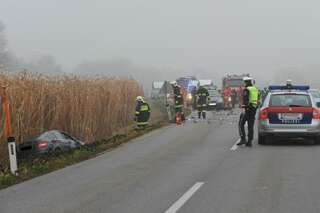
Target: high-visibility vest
(144,108)
(253,96)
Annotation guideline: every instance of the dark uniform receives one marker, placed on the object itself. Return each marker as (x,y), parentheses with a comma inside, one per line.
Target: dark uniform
(202,95)
(250,104)
(142,113)
(234,96)
(178,99)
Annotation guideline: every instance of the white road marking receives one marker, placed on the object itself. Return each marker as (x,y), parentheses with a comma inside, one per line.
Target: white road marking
(235,146)
(177,205)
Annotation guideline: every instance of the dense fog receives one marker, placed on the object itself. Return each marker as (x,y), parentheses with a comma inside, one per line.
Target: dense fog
(161,40)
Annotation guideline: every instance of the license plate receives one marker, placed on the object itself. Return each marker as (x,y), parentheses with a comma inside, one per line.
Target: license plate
(212,104)
(290,116)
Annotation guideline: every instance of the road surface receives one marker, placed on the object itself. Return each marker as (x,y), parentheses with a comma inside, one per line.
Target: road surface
(193,168)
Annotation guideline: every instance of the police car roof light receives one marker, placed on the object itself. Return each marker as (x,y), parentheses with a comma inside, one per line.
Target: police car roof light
(301,87)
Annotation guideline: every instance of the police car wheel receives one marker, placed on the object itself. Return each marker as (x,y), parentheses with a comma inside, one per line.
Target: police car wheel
(313,141)
(262,140)
(317,140)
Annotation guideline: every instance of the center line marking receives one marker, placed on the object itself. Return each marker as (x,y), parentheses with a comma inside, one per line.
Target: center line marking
(235,146)
(177,205)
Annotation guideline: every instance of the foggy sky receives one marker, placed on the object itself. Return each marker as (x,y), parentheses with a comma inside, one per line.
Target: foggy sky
(211,37)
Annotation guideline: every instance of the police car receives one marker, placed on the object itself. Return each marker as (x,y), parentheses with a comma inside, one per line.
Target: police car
(316,96)
(290,112)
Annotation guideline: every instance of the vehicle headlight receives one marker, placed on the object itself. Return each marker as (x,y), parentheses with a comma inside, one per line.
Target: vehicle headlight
(189,97)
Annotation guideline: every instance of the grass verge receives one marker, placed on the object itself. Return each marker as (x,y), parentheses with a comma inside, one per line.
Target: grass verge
(29,169)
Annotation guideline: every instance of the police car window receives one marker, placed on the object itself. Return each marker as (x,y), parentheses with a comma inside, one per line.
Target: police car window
(283,100)
(315,94)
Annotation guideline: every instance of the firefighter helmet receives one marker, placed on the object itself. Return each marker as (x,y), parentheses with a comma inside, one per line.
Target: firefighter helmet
(139,98)
(174,83)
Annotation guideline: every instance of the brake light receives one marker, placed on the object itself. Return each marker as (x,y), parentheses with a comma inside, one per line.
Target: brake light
(43,144)
(263,114)
(316,114)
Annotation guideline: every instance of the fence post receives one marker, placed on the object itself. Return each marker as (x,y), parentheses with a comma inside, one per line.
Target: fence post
(8,131)
(12,155)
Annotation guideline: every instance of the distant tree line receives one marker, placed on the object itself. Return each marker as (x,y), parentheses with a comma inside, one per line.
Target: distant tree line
(8,61)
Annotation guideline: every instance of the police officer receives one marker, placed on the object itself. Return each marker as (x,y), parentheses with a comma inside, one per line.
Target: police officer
(178,99)
(142,112)
(250,104)
(202,95)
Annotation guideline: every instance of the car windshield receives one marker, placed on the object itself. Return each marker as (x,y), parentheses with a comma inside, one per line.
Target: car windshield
(290,100)
(234,83)
(214,93)
(47,136)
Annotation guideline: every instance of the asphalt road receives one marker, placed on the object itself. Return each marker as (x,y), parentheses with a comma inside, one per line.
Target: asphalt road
(192,168)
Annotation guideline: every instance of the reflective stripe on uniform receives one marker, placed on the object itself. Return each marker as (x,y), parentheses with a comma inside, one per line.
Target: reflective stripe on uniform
(142,123)
(144,108)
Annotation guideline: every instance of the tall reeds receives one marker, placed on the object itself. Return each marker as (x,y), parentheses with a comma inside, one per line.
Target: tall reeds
(90,108)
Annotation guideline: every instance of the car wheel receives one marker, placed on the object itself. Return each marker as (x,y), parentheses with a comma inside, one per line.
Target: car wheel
(262,140)
(317,140)
(313,141)
(57,151)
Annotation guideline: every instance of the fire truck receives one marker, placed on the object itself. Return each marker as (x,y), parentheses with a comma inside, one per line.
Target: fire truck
(232,86)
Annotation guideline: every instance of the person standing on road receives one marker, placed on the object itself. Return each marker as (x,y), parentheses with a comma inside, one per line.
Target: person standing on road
(202,95)
(227,97)
(142,112)
(234,96)
(250,104)
(178,99)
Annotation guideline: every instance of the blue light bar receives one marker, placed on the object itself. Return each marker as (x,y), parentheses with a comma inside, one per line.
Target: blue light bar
(277,87)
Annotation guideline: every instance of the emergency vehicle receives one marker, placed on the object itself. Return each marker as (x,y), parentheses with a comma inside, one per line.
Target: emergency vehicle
(188,84)
(232,83)
(289,112)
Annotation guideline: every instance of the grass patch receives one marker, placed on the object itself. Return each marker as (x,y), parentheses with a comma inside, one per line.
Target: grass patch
(31,168)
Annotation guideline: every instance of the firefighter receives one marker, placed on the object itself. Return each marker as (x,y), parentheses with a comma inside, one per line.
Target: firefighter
(178,100)
(176,88)
(202,95)
(226,97)
(142,112)
(250,104)
(234,96)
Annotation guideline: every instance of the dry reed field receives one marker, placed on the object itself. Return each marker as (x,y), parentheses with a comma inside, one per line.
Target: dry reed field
(90,108)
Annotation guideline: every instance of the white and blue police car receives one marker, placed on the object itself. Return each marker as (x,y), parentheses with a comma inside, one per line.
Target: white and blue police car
(289,112)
